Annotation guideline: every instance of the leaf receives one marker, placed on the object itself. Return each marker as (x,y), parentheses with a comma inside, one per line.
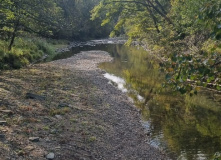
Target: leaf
(218,87)
(197,88)
(182,90)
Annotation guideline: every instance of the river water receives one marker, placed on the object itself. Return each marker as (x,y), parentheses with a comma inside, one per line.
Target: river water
(186,128)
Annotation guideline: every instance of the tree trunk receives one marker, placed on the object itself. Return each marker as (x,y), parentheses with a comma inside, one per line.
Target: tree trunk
(159,12)
(161,7)
(154,19)
(13,35)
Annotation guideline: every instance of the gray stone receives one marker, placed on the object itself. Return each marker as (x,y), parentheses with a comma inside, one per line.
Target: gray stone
(34,96)
(34,139)
(3,122)
(50,156)
(58,116)
(2,136)
(53,131)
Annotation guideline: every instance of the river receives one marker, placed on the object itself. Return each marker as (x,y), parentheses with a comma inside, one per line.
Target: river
(186,128)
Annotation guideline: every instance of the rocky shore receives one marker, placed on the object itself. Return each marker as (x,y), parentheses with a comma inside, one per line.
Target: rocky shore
(67,110)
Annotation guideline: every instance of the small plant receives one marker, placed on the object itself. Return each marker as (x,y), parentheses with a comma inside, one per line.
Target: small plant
(92,139)
(46,128)
(61,111)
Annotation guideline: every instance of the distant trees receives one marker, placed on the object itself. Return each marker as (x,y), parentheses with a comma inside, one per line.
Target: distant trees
(23,23)
(77,20)
(69,19)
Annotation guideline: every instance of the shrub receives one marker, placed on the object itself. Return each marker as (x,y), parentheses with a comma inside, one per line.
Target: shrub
(24,52)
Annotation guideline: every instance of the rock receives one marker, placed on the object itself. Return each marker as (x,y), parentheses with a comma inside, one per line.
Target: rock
(34,96)
(34,139)
(9,112)
(29,148)
(50,156)
(53,131)
(3,122)
(58,116)
(62,105)
(20,153)
(2,136)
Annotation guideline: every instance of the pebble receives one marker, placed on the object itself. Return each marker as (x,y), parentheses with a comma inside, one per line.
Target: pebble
(53,131)
(58,116)
(2,136)
(34,139)
(50,156)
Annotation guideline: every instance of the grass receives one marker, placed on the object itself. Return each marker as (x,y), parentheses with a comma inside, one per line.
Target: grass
(61,111)
(27,50)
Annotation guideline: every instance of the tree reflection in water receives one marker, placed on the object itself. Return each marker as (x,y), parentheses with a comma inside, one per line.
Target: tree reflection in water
(186,127)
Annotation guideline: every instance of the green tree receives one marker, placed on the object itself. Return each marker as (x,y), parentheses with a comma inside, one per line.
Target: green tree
(36,16)
(77,23)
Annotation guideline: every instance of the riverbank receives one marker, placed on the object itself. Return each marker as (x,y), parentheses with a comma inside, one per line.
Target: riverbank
(67,108)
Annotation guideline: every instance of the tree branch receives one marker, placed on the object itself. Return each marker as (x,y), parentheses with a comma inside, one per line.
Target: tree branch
(144,4)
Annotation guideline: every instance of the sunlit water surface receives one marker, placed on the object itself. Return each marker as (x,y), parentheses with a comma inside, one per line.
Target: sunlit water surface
(186,128)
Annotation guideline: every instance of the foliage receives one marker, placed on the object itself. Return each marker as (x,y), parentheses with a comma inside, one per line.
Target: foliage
(180,29)
(25,51)
(60,19)
(77,23)
(40,17)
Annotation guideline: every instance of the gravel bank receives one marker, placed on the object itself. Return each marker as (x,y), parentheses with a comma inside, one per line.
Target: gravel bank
(125,138)
(67,110)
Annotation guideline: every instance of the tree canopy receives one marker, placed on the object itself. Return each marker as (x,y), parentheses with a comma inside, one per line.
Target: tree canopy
(184,33)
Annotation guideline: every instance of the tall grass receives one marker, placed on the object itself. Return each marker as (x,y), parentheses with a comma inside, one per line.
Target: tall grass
(24,52)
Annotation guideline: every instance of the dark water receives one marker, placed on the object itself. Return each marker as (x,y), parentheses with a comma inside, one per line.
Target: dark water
(187,128)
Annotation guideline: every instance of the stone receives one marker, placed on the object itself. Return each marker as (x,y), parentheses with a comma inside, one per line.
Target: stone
(2,136)
(34,139)
(34,96)
(7,112)
(62,105)
(3,122)
(29,148)
(58,116)
(53,131)
(50,156)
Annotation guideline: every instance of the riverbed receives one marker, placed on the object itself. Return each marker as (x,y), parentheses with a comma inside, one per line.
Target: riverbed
(67,109)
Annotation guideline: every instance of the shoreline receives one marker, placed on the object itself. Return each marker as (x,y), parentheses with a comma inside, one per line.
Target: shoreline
(82,116)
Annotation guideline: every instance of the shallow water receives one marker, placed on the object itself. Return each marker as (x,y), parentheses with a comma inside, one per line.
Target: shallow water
(187,128)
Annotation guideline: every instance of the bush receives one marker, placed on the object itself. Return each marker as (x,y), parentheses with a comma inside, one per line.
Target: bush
(24,52)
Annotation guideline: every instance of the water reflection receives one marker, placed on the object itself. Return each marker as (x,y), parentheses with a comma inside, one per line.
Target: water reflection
(117,80)
(188,128)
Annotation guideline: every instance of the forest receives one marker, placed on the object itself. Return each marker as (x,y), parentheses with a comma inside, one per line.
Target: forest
(184,35)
